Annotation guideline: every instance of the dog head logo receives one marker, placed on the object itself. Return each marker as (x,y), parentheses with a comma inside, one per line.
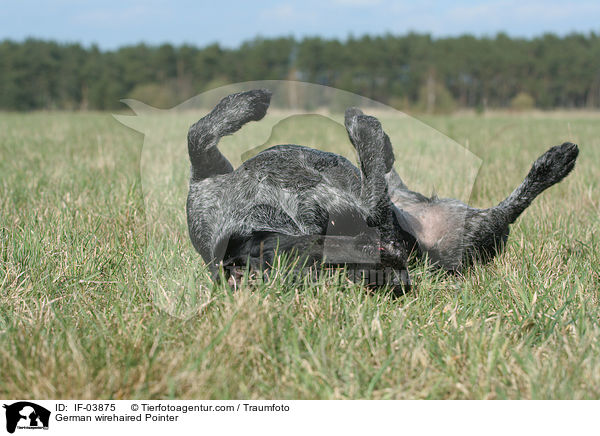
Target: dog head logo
(26,415)
(299,113)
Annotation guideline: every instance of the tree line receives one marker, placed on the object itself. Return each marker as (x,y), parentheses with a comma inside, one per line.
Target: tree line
(410,71)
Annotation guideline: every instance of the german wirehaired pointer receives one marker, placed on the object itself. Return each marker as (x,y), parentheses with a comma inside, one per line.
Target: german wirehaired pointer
(321,209)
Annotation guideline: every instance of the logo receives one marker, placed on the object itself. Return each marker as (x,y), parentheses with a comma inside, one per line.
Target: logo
(26,415)
(300,113)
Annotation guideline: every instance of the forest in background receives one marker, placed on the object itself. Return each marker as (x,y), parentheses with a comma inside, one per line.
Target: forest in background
(410,72)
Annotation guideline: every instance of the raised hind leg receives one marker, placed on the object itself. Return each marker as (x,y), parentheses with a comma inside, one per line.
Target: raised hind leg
(207,193)
(226,118)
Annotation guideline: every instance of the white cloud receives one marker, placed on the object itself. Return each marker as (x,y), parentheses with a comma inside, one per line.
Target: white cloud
(357,2)
(288,15)
(284,12)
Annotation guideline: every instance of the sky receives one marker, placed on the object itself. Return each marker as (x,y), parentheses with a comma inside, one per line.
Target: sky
(114,23)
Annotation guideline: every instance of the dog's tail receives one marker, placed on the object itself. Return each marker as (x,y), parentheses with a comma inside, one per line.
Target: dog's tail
(226,118)
(549,169)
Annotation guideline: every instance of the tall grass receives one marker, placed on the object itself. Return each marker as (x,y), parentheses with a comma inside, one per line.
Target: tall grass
(80,317)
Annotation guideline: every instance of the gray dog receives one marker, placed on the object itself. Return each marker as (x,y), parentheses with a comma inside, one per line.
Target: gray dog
(321,208)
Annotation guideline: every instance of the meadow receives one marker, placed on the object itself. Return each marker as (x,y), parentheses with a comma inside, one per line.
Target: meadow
(86,229)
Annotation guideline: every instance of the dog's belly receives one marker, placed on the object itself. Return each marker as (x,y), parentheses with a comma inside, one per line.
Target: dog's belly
(322,209)
(318,191)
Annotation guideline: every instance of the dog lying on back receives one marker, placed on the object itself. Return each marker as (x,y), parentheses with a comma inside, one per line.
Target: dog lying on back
(321,208)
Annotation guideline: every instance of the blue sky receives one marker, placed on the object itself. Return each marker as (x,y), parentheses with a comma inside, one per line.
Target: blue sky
(113,23)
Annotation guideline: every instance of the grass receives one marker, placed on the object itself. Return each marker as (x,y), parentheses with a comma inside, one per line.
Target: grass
(101,293)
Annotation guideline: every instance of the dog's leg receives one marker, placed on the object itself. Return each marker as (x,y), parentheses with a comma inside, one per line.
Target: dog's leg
(549,169)
(226,118)
(397,189)
(368,138)
(393,179)
(376,159)
(206,192)
(486,230)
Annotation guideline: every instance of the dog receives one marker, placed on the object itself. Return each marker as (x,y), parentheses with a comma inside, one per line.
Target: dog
(320,208)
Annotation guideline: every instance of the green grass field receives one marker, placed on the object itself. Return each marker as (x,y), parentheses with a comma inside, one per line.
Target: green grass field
(85,238)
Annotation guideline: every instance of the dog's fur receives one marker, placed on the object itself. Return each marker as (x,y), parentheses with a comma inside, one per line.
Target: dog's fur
(319,206)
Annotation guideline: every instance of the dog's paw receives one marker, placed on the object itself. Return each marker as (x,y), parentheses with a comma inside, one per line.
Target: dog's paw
(350,116)
(229,116)
(352,121)
(235,110)
(555,164)
(366,134)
